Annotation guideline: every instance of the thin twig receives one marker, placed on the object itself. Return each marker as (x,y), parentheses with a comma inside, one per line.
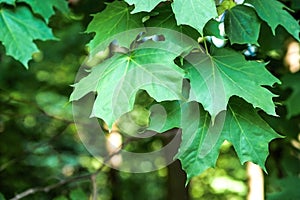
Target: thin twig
(48,188)
(94,185)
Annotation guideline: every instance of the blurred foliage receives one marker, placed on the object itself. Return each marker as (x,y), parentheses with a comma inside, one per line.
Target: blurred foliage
(39,144)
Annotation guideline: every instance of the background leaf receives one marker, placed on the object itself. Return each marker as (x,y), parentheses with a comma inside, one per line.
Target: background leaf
(293,104)
(45,8)
(18,30)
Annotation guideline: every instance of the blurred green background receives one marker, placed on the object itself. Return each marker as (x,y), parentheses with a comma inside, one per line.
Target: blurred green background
(39,145)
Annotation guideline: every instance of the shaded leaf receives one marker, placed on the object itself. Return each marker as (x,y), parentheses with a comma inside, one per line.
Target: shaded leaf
(195,13)
(214,79)
(18,30)
(78,194)
(289,189)
(118,79)
(143,5)
(242,25)
(292,103)
(273,13)
(212,29)
(2,196)
(45,8)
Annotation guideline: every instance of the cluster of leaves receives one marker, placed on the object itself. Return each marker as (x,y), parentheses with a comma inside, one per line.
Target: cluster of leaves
(221,84)
(216,77)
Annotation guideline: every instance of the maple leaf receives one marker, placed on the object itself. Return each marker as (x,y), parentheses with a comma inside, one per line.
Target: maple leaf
(266,9)
(118,79)
(166,19)
(241,126)
(215,78)
(195,153)
(195,13)
(18,30)
(143,5)
(116,18)
(45,8)
(242,25)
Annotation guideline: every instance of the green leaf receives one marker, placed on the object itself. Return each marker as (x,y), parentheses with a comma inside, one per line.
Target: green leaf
(45,8)
(292,103)
(212,29)
(78,194)
(60,109)
(201,140)
(195,153)
(116,18)
(165,116)
(18,30)
(166,19)
(214,79)
(143,5)
(11,2)
(2,196)
(248,132)
(195,13)
(242,25)
(273,13)
(289,189)
(118,79)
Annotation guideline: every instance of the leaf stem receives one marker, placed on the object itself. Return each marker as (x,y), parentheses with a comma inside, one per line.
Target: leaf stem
(205,45)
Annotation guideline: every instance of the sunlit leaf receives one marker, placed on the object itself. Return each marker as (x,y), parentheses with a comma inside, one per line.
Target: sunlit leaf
(195,13)
(118,79)
(143,5)
(226,73)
